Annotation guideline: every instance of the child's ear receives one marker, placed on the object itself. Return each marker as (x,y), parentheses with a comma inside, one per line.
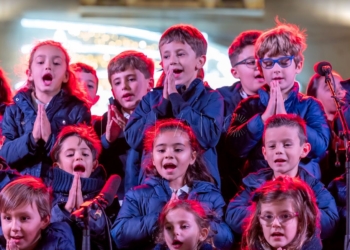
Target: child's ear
(150,84)
(203,234)
(29,74)
(193,157)
(299,67)
(305,149)
(264,152)
(95,164)
(200,62)
(66,77)
(45,222)
(235,73)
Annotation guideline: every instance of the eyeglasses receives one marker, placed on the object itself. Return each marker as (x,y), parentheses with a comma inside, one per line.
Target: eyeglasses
(249,62)
(284,62)
(282,218)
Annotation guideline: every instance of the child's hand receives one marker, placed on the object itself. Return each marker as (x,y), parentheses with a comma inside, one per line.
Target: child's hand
(72,196)
(171,81)
(37,127)
(280,109)
(79,199)
(271,106)
(45,125)
(115,123)
(165,88)
(11,245)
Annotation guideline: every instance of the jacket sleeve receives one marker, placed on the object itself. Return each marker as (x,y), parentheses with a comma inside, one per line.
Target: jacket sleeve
(223,237)
(238,210)
(328,210)
(83,115)
(143,117)
(317,129)
(15,147)
(206,123)
(245,130)
(337,188)
(59,234)
(132,229)
(97,227)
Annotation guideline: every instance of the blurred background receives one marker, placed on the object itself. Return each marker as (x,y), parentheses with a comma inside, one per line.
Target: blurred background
(94,31)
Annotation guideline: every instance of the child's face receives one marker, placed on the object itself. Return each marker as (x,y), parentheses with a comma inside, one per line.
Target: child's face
(89,83)
(181,230)
(172,154)
(282,150)
(276,233)
(48,69)
(129,87)
(23,226)
(323,94)
(182,60)
(76,156)
(285,76)
(249,75)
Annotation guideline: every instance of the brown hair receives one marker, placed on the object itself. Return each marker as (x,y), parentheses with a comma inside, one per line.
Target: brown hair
(131,59)
(313,85)
(5,89)
(72,87)
(82,67)
(304,202)
(84,133)
(185,33)
(243,40)
(287,120)
(23,191)
(197,171)
(191,206)
(284,39)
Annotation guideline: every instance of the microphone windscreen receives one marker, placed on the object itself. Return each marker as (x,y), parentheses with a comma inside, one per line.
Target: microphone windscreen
(110,189)
(318,67)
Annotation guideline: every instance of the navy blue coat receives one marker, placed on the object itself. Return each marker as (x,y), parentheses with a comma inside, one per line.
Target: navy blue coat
(239,207)
(136,223)
(57,236)
(201,107)
(6,174)
(61,182)
(20,150)
(246,129)
(337,188)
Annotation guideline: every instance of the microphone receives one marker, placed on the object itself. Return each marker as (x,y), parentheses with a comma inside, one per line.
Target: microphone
(103,199)
(323,68)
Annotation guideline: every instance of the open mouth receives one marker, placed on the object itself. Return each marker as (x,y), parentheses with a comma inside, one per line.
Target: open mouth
(169,166)
(47,78)
(280,160)
(177,244)
(277,234)
(259,76)
(177,71)
(79,169)
(127,95)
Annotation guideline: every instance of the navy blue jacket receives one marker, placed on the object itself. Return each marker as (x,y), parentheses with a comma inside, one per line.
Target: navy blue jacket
(246,129)
(6,174)
(230,166)
(205,246)
(239,207)
(337,188)
(61,182)
(312,244)
(201,107)
(20,150)
(57,236)
(136,223)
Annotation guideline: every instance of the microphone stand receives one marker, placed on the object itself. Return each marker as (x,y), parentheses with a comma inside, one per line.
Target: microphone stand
(347,162)
(86,231)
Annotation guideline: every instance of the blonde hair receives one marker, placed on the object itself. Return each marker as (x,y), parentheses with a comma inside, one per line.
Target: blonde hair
(284,39)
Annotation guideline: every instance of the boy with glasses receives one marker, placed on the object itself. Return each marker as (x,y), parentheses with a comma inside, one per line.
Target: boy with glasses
(279,52)
(245,68)
(284,144)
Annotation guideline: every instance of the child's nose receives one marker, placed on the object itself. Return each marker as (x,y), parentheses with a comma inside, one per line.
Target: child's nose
(15,225)
(275,222)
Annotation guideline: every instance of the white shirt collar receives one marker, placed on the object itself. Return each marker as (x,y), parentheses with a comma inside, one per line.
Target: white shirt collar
(185,189)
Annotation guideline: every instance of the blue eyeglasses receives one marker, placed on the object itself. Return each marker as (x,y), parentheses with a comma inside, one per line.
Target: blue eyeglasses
(284,62)
(282,218)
